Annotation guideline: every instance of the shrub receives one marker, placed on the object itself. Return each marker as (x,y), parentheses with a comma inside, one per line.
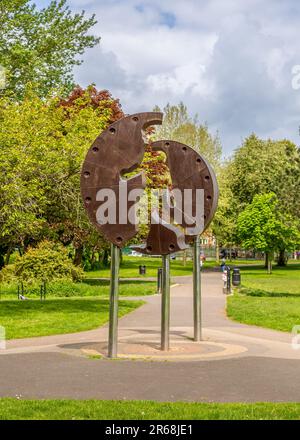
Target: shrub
(47,262)
(7,274)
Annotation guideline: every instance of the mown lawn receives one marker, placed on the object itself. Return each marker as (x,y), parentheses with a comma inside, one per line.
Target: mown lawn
(271,301)
(12,409)
(275,313)
(283,281)
(90,287)
(24,319)
(130,267)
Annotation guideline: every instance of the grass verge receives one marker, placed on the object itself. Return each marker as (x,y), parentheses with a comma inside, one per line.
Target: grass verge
(12,409)
(274,313)
(130,267)
(92,287)
(271,301)
(24,319)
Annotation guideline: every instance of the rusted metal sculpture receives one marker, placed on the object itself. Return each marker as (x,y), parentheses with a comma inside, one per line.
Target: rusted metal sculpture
(188,170)
(120,150)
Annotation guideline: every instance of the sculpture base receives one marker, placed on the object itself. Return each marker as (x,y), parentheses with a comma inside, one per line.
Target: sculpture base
(181,349)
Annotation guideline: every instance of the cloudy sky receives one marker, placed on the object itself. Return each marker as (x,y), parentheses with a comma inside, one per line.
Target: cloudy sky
(230,62)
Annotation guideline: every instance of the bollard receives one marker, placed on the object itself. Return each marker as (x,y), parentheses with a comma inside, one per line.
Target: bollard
(236,277)
(228,283)
(142,270)
(159,280)
(227,280)
(224,278)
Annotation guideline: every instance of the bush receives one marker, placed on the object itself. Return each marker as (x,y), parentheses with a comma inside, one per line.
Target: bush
(7,274)
(47,262)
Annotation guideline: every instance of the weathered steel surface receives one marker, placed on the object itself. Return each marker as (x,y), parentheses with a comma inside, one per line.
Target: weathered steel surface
(118,150)
(189,170)
(163,238)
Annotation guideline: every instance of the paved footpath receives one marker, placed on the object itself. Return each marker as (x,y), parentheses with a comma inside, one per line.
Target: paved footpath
(234,363)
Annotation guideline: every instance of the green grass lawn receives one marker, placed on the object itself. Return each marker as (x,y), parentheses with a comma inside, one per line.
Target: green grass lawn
(12,409)
(90,287)
(282,282)
(130,267)
(274,313)
(24,319)
(271,301)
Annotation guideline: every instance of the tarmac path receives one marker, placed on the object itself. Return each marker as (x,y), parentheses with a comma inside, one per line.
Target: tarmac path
(233,363)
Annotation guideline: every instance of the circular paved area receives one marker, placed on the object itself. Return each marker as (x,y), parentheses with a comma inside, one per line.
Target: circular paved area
(185,350)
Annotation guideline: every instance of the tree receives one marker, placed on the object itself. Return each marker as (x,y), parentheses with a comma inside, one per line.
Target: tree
(43,144)
(98,100)
(224,222)
(41,46)
(262,227)
(178,125)
(262,166)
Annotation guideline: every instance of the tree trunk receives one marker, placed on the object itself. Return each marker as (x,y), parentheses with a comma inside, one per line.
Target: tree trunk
(8,254)
(281,258)
(266,260)
(93,257)
(78,256)
(105,256)
(1,260)
(269,263)
(184,258)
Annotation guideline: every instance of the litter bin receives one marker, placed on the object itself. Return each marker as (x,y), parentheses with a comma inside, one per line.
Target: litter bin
(236,277)
(142,270)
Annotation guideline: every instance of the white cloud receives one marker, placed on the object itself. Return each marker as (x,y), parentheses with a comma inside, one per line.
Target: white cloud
(228,61)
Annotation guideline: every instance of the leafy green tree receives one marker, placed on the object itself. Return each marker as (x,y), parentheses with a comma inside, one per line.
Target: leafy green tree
(262,166)
(262,227)
(43,144)
(41,46)
(224,222)
(180,126)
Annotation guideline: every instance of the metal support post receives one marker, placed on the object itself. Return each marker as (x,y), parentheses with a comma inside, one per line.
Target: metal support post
(165,304)
(159,280)
(197,291)
(113,306)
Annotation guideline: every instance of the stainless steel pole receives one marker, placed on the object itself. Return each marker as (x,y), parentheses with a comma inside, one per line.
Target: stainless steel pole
(113,306)
(165,304)
(197,291)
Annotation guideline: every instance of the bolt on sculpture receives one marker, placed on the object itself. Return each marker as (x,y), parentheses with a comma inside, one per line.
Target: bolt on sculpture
(119,150)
